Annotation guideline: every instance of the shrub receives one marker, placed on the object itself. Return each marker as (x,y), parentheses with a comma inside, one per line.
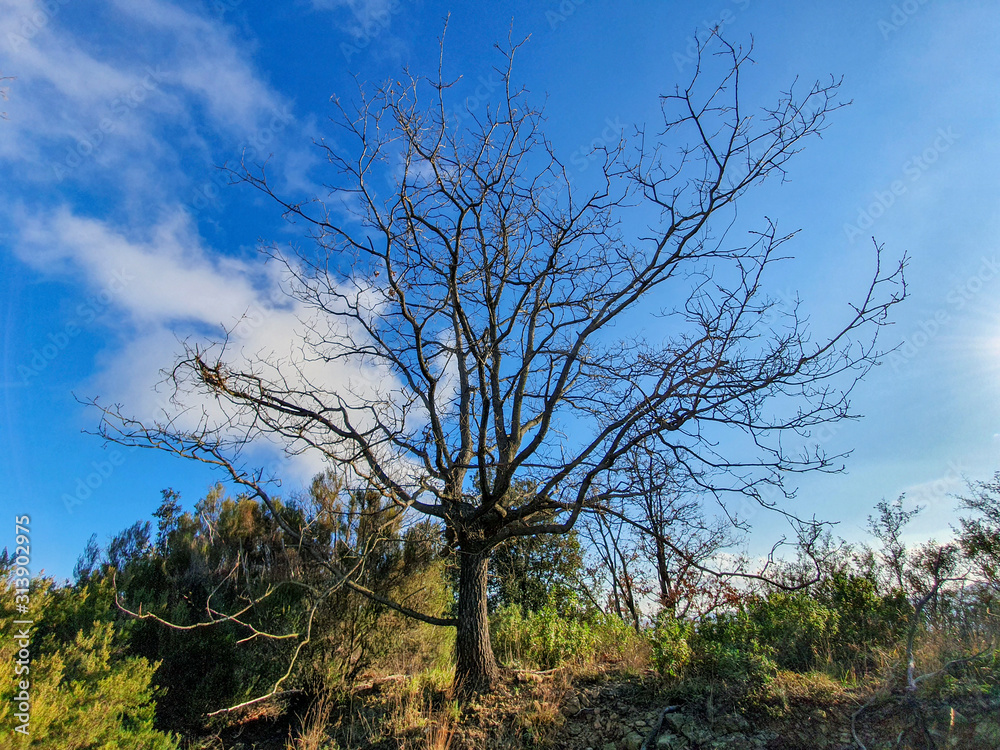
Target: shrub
(796,627)
(671,650)
(843,621)
(546,639)
(727,650)
(867,621)
(83,692)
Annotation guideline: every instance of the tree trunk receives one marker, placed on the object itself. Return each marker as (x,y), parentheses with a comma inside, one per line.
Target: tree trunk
(476,668)
(668,596)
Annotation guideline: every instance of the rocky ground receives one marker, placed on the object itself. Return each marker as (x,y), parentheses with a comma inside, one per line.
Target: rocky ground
(626,716)
(634,712)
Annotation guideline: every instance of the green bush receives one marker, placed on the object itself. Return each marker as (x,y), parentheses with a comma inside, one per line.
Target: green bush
(842,623)
(866,620)
(234,553)
(796,627)
(728,650)
(84,694)
(546,639)
(671,648)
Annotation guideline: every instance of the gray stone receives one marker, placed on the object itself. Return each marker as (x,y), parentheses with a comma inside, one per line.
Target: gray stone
(689,727)
(667,741)
(571,706)
(677,721)
(633,741)
(731,723)
(735,741)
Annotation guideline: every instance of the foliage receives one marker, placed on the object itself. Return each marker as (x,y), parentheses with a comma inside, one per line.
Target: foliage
(728,650)
(671,647)
(85,692)
(866,620)
(979,534)
(771,650)
(225,554)
(368,535)
(545,639)
(798,628)
(231,555)
(841,623)
(887,526)
(532,572)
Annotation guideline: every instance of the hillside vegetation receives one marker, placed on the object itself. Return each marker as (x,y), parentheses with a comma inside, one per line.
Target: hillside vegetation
(211,630)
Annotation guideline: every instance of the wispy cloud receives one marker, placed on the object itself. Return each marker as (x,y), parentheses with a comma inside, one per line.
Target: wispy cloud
(208,64)
(104,130)
(88,112)
(170,275)
(169,286)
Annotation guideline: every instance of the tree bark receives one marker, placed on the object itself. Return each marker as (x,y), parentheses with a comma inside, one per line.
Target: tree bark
(476,669)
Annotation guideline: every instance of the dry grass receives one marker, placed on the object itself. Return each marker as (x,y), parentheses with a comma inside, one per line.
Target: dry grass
(790,690)
(419,712)
(313,732)
(417,704)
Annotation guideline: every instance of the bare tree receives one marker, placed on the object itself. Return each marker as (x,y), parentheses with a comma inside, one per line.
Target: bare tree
(887,527)
(686,539)
(619,572)
(478,292)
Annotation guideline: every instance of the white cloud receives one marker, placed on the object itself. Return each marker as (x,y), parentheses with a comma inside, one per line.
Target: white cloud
(136,119)
(164,286)
(104,126)
(166,277)
(209,65)
(90,111)
(62,94)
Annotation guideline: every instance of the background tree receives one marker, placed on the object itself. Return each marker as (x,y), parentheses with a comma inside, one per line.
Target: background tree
(225,594)
(531,572)
(979,534)
(618,572)
(684,540)
(478,292)
(887,527)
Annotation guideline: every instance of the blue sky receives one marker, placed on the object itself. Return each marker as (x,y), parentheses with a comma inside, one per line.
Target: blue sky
(119,238)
